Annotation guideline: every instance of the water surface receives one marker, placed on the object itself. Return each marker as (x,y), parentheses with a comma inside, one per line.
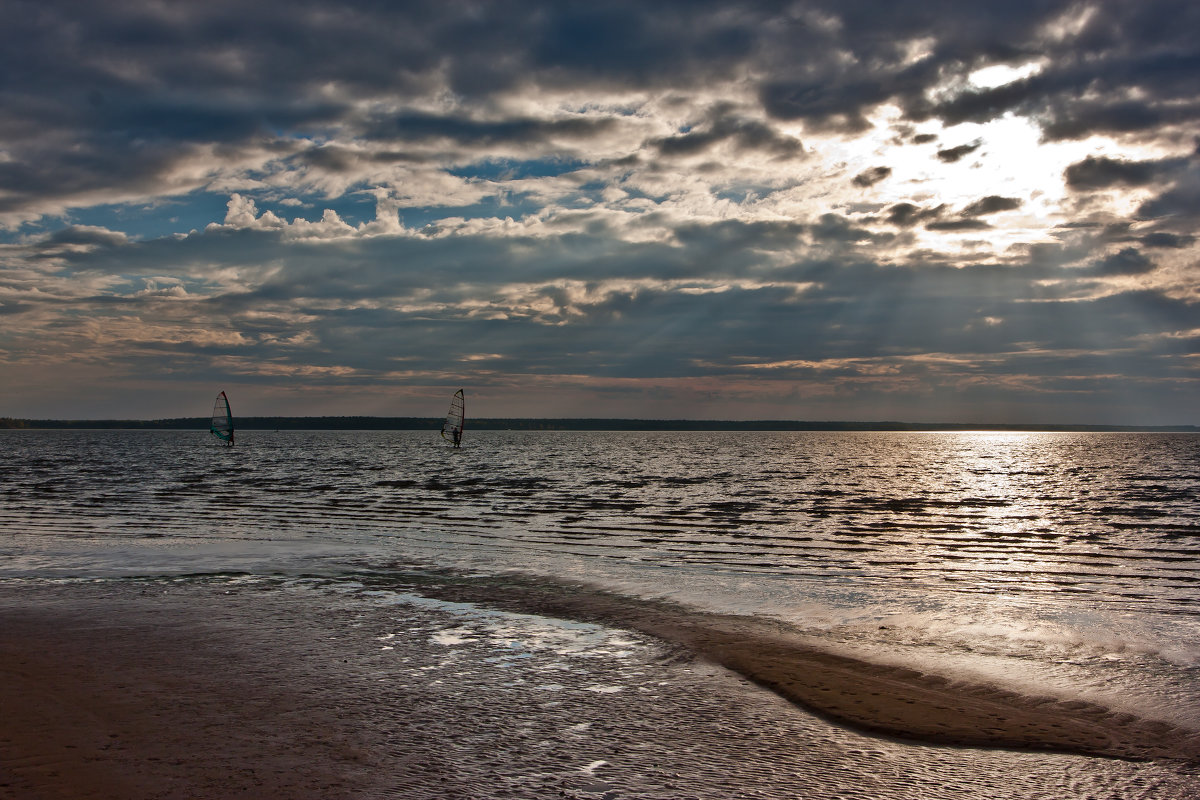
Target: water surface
(1054,563)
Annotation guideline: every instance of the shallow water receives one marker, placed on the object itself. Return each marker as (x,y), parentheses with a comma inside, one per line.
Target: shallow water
(1055,563)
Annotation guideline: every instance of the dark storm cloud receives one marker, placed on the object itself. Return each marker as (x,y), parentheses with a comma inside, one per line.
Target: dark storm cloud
(990,205)
(953,154)
(114,96)
(1098,172)
(462,129)
(1115,50)
(871,176)
(88,169)
(623,264)
(1167,240)
(620,41)
(836,229)
(726,126)
(1127,262)
(78,235)
(12,309)
(736,235)
(906,215)
(1160,69)
(338,159)
(981,106)
(1180,202)
(958,225)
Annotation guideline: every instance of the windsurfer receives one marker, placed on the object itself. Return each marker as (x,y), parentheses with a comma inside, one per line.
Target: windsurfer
(452,428)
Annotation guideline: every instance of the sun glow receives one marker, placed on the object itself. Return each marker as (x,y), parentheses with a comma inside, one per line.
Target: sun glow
(1004,158)
(1002,74)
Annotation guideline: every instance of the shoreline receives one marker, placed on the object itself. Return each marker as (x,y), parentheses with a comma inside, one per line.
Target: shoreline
(193,689)
(870,697)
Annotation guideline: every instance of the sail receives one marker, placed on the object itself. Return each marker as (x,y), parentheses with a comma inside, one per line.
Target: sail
(452,428)
(222,420)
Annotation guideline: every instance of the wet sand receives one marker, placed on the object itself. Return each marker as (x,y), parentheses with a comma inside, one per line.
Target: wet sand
(194,691)
(102,699)
(871,697)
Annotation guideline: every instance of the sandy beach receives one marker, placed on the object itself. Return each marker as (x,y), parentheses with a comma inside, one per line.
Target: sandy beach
(869,696)
(184,690)
(106,698)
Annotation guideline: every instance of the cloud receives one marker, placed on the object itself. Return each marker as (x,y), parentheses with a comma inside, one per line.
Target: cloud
(990,205)
(1168,240)
(1126,262)
(724,126)
(953,154)
(871,176)
(1099,172)
(1181,200)
(981,106)
(958,225)
(81,238)
(906,214)
(461,129)
(736,200)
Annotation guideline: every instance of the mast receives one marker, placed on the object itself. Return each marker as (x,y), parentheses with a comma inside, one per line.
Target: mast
(222,420)
(452,428)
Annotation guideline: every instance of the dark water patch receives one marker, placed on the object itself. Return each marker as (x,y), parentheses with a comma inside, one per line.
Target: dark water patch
(401,483)
(618,483)
(1164,528)
(733,507)
(678,480)
(415,511)
(828,492)
(1158,493)
(899,505)
(870,529)
(981,502)
(530,483)
(85,502)
(597,504)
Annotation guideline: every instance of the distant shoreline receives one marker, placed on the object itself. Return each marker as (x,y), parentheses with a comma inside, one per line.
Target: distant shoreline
(566,424)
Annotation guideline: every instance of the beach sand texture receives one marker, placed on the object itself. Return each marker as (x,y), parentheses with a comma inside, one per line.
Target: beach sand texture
(873,697)
(173,691)
(107,700)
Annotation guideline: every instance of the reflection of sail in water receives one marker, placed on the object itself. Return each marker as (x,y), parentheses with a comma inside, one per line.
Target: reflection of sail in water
(222,420)
(452,428)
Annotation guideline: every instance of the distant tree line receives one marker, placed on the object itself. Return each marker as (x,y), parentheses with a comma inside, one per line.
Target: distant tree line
(540,424)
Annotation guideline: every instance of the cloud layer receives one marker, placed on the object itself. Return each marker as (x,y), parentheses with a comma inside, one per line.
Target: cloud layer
(717,210)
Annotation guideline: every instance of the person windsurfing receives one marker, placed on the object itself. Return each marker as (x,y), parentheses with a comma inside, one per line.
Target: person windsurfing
(452,428)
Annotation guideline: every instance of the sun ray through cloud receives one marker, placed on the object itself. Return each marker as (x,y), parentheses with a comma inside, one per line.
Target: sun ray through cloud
(626,194)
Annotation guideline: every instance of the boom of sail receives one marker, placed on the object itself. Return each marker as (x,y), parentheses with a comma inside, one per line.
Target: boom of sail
(452,428)
(222,420)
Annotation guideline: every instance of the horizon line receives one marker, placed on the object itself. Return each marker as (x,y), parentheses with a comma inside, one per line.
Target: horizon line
(577,423)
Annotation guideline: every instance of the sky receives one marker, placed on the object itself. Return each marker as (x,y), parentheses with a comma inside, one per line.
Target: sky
(917,211)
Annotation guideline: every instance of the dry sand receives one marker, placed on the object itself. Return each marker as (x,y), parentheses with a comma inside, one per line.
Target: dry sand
(104,694)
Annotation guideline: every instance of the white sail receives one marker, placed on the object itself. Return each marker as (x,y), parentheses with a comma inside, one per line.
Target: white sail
(452,428)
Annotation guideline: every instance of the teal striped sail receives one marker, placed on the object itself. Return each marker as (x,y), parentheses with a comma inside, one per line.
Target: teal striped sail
(222,420)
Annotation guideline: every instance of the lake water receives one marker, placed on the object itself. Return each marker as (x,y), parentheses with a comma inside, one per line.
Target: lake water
(1061,564)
